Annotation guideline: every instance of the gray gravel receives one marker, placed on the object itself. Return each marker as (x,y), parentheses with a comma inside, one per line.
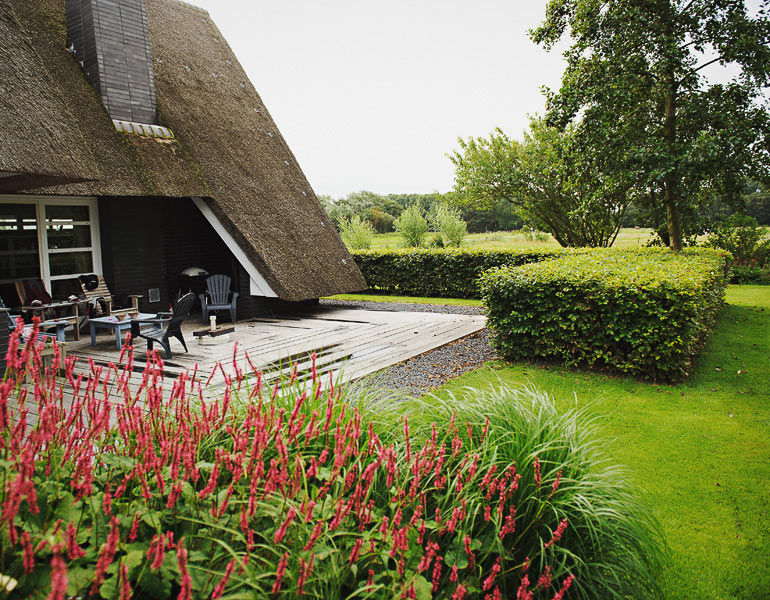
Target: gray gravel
(406,307)
(434,368)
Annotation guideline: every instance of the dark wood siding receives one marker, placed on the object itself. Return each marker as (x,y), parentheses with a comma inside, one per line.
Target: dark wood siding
(3,339)
(148,242)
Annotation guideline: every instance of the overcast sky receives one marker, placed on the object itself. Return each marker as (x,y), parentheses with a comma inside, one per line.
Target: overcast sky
(372,94)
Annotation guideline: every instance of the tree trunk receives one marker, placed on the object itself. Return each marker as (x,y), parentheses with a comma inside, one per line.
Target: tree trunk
(671,183)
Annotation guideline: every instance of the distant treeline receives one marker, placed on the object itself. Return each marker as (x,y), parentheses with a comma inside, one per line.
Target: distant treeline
(382,210)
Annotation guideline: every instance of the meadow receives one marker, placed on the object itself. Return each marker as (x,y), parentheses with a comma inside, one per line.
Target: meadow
(628,237)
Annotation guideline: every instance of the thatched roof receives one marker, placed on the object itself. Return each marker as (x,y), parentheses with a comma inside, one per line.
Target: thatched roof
(36,128)
(227,148)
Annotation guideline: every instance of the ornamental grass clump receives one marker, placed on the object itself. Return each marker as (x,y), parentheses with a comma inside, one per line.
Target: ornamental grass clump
(568,489)
(115,488)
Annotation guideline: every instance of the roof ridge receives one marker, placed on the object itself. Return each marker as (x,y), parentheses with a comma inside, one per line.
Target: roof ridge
(191,6)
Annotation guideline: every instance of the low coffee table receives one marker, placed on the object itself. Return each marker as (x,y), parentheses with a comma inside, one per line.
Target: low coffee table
(116,325)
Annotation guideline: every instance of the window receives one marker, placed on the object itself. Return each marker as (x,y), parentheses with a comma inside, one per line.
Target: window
(55,239)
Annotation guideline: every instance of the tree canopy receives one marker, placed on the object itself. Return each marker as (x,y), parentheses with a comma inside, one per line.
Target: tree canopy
(554,185)
(634,85)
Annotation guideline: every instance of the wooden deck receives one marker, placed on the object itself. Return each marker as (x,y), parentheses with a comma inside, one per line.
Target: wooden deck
(351,343)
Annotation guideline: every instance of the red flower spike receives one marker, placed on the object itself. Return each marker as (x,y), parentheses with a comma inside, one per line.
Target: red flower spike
(564,587)
(185,585)
(490,579)
(557,533)
(460,592)
(220,587)
(281,569)
(106,555)
(58,578)
(125,585)
(522,593)
(29,554)
(556,482)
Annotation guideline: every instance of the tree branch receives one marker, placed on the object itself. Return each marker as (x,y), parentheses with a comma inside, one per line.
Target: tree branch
(706,64)
(687,7)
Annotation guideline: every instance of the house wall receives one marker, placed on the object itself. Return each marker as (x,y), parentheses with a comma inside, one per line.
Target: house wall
(4,335)
(148,242)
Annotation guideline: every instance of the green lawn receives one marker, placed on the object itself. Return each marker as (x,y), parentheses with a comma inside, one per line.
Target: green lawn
(699,452)
(627,238)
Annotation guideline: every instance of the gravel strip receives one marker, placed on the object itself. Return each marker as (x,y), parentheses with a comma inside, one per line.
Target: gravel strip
(435,367)
(452,309)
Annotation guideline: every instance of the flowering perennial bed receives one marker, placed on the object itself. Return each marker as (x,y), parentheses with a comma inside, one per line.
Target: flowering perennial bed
(283,491)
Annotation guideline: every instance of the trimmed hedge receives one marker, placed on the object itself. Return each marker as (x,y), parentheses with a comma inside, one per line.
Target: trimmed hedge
(440,273)
(643,312)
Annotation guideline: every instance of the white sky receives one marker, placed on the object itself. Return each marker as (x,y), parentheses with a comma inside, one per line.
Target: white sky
(372,94)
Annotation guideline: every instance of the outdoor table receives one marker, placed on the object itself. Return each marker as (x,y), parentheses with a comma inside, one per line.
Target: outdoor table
(73,305)
(116,325)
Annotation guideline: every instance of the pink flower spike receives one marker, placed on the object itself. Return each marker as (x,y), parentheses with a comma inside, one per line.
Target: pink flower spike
(564,587)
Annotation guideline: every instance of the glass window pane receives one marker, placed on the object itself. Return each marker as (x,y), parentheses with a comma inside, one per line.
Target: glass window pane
(63,212)
(68,236)
(64,288)
(70,263)
(18,242)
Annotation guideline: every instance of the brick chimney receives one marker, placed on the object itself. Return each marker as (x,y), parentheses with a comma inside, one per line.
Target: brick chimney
(111,41)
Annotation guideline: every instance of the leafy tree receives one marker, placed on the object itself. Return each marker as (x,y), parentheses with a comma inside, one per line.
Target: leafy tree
(412,226)
(381,220)
(634,82)
(554,185)
(449,223)
(757,202)
(356,233)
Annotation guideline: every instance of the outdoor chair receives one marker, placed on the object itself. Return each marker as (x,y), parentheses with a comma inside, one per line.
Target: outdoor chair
(95,289)
(218,297)
(173,326)
(58,327)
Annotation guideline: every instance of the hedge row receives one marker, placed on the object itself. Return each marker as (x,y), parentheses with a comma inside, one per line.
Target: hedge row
(643,312)
(441,273)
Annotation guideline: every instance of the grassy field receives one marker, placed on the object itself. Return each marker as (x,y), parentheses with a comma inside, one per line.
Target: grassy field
(627,238)
(699,452)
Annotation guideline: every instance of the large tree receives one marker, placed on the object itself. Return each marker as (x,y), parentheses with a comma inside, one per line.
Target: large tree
(635,82)
(550,180)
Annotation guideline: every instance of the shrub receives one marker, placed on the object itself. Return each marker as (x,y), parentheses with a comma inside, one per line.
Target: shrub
(356,233)
(442,273)
(412,226)
(449,223)
(744,239)
(643,312)
(748,245)
(293,490)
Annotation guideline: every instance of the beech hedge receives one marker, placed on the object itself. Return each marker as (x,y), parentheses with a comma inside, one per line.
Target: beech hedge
(644,312)
(441,273)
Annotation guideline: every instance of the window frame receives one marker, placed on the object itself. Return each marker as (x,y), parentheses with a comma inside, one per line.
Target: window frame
(40,203)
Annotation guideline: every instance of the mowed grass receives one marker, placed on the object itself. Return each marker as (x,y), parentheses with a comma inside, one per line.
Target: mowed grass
(698,452)
(627,238)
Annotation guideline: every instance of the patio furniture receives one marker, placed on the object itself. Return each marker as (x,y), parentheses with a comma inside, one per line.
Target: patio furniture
(118,325)
(172,330)
(59,327)
(94,288)
(35,298)
(218,297)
